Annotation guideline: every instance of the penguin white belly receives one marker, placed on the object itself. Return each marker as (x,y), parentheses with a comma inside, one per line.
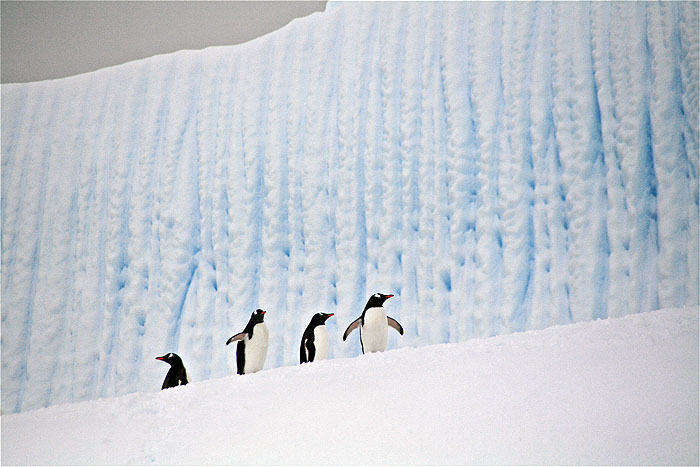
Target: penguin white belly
(375,331)
(256,349)
(321,342)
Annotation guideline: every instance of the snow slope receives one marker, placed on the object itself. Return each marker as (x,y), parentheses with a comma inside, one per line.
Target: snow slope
(498,167)
(616,392)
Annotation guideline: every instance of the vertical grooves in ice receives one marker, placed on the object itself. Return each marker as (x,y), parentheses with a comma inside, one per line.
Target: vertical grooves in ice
(238,304)
(441,262)
(76,357)
(210,217)
(62,191)
(30,278)
(351,249)
(669,157)
(690,43)
(461,172)
(275,235)
(89,296)
(44,347)
(390,256)
(629,72)
(617,216)
(540,134)
(485,85)
(151,325)
(497,167)
(346,116)
(316,180)
(296,121)
(410,141)
(200,340)
(16,101)
(373,164)
(581,158)
(146,226)
(136,236)
(222,214)
(253,94)
(430,322)
(515,179)
(14,298)
(123,314)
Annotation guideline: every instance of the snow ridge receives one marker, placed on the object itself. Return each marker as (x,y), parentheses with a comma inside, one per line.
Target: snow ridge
(496,167)
(621,391)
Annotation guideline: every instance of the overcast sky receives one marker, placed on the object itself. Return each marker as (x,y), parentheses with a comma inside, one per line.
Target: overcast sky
(45,40)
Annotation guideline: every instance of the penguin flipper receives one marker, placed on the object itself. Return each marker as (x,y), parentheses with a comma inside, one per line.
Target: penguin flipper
(237,337)
(168,382)
(354,325)
(302,352)
(311,348)
(240,357)
(394,324)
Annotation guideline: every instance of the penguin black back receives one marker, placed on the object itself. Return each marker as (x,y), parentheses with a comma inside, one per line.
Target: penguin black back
(258,316)
(307,350)
(244,339)
(177,374)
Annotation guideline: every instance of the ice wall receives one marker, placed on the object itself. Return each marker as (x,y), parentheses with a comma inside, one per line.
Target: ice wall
(498,167)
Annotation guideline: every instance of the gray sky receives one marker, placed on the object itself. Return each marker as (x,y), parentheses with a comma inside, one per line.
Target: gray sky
(44,40)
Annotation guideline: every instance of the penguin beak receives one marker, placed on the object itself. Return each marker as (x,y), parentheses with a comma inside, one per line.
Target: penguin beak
(263,312)
(160,358)
(389,296)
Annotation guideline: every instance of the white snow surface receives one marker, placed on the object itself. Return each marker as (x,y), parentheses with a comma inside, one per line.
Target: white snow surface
(498,167)
(619,391)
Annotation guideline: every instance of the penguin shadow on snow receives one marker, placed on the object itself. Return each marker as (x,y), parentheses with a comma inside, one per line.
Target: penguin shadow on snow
(177,374)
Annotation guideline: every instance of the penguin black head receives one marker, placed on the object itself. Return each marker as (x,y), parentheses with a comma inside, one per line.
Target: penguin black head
(377,300)
(258,316)
(320,318)
(172,358)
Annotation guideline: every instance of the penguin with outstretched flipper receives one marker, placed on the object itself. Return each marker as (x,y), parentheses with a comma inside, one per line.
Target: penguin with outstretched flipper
(251,349)
(374,325)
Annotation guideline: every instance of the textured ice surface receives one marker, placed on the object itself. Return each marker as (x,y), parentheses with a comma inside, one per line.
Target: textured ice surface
(497,166)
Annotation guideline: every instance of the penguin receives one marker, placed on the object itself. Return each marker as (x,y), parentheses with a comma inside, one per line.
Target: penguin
(374,325)
(314,342)
(252,344)
(177,375)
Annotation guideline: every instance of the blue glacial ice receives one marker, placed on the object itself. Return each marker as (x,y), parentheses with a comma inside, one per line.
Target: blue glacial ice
(499,167)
